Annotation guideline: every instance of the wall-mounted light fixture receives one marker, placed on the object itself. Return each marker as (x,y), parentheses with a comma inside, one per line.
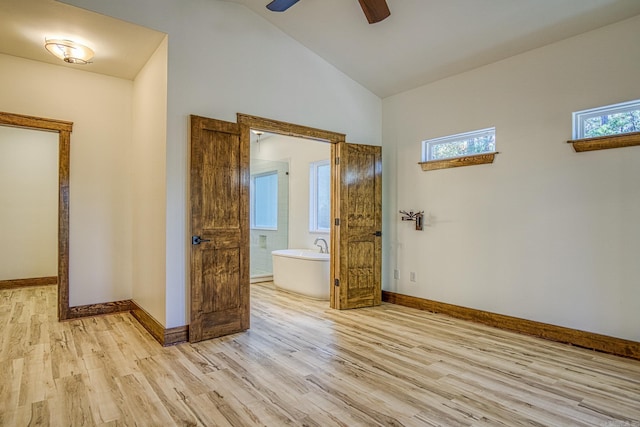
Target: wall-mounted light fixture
(414,216)
(69,51)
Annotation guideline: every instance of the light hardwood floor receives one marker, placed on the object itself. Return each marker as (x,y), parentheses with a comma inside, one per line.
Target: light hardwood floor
(301,364)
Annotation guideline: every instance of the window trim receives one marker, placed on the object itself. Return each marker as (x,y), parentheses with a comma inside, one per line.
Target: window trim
(252,213)
(313,197)
(434,142)
(579,117)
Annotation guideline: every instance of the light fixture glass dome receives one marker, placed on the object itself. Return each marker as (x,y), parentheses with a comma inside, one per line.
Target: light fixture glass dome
(69,51)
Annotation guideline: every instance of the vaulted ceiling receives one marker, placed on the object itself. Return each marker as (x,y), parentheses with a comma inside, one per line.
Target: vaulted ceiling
(422,41)
(426,40)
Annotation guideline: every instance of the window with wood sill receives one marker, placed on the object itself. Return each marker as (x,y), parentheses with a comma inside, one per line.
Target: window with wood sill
(464,149)
(610,126)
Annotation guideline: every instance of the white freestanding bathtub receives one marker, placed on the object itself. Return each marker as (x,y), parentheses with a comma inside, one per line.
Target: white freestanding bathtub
(302,271)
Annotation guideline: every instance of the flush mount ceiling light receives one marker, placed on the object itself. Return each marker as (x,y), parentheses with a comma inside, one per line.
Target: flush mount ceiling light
(69,51)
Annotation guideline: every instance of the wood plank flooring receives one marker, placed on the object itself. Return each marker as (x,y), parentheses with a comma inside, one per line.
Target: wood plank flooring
(301,364)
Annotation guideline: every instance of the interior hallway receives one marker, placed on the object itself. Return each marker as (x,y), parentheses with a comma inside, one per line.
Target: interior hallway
(301,364)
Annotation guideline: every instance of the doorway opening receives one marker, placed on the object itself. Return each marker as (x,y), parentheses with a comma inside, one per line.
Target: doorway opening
(249,123)
(63,129)
(290,185)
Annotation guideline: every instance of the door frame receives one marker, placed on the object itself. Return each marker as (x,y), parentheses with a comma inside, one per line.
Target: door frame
(248,122)
(63,129)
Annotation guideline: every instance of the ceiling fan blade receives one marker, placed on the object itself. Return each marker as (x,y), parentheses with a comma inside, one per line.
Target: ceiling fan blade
(281,5)
(375,10)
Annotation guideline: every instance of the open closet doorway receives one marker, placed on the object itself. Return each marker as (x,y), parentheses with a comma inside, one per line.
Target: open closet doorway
(219,216)
(63,130)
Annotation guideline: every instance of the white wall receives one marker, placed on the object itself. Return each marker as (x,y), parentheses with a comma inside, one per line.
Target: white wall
(149,181)
(28,203)
(100,175)
(224,59)
(544,233)
(299,153)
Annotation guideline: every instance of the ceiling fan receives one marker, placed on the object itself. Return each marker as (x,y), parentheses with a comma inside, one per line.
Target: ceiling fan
(374,10)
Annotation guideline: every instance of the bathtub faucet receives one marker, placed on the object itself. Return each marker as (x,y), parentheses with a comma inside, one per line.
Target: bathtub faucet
(323,250)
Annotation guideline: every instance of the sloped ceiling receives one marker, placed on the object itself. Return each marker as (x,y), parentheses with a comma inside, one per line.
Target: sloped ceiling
(426,40)
(422,41)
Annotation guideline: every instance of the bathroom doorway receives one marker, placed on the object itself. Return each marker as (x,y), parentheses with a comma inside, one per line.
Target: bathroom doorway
(289,205)
(355,211)
(220,176)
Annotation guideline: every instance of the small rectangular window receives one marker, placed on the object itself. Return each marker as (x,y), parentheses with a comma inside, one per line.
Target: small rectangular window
(264,201)
(459,145)
(613,119)
(320,197)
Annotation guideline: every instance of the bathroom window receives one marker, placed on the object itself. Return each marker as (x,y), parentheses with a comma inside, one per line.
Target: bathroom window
(613,119)
(459,145)
(264,201)
(320,197)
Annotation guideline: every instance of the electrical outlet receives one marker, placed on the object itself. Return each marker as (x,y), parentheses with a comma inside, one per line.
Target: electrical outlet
(412,276)
(396,274)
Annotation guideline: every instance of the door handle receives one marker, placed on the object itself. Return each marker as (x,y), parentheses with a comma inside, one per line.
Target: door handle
(196,240)
(377,233)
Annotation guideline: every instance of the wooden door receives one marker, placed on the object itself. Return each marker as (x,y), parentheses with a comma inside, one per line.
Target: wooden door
(219,229)
(356,240)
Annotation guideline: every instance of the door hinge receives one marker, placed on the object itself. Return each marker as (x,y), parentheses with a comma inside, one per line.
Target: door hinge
(337,221)
(337,160)
(336,282)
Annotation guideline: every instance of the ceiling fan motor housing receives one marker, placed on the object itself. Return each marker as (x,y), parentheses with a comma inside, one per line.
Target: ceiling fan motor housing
(374,10)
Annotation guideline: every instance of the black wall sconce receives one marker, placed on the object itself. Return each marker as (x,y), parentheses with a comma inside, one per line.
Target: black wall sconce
(414,216)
